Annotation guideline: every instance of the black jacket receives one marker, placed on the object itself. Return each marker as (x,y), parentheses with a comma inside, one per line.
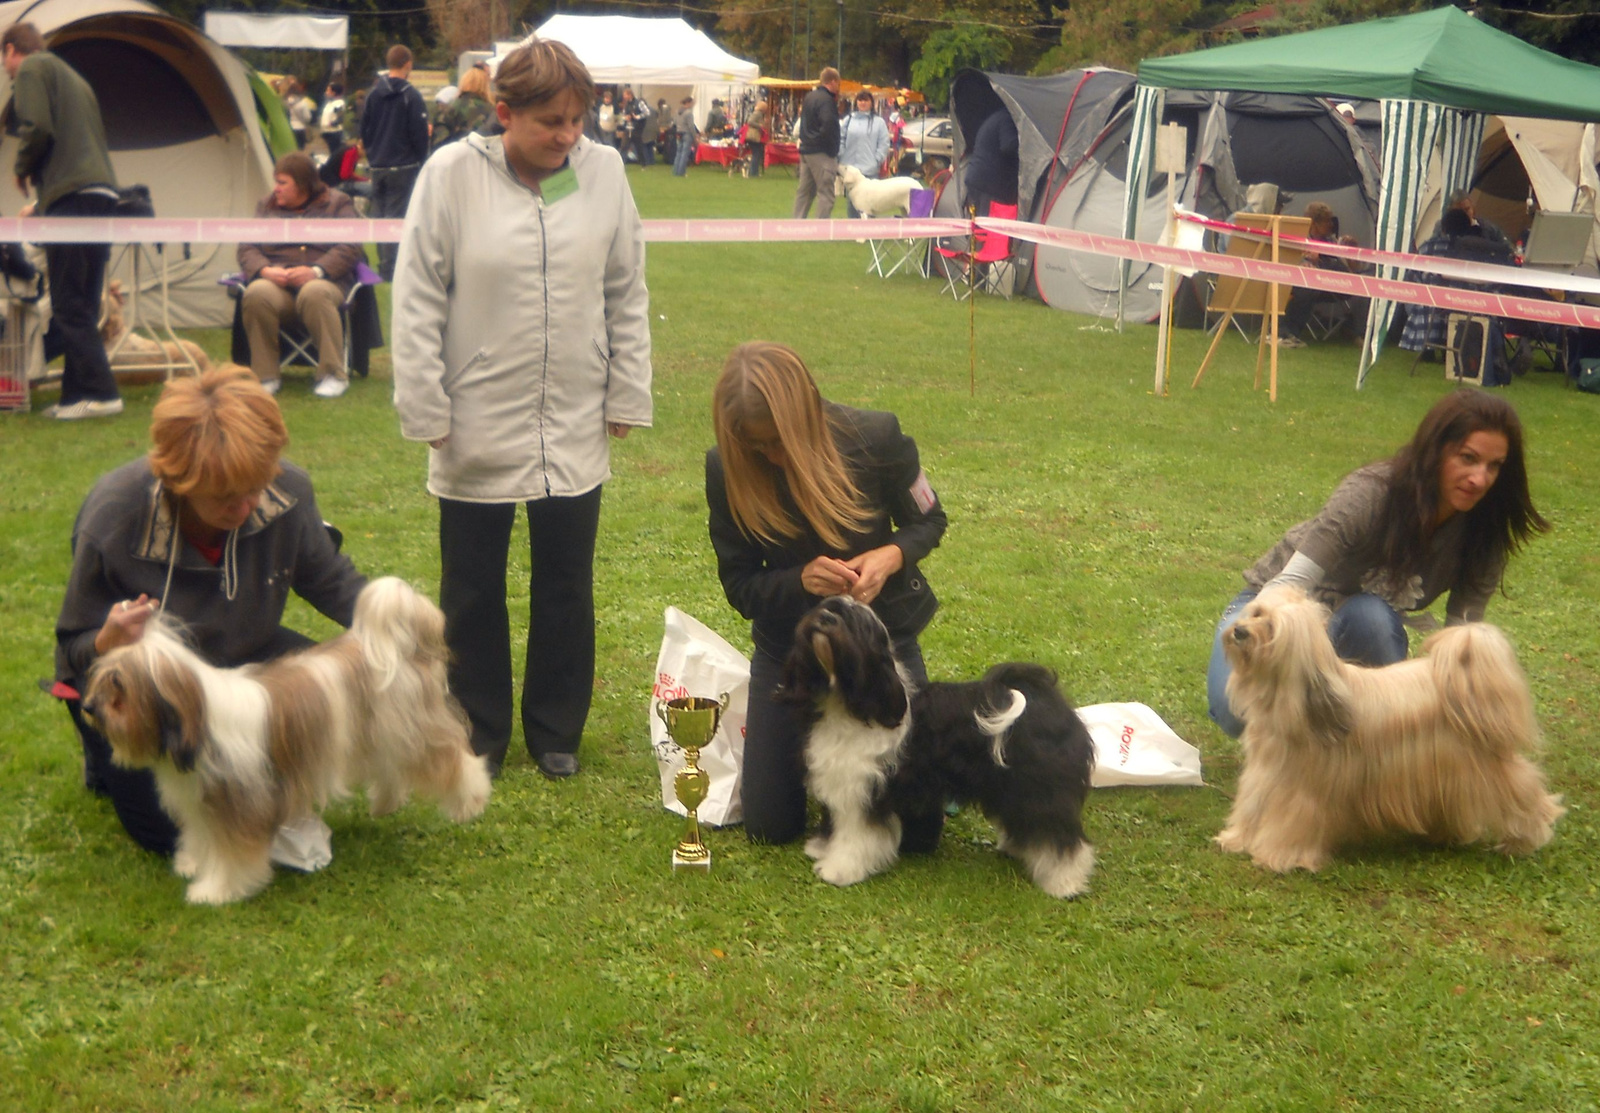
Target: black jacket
(819,123)
(762,580)
(394,124)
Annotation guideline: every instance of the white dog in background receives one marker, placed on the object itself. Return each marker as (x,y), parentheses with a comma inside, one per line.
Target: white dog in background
(877,196)
(1433,747)
(238,752)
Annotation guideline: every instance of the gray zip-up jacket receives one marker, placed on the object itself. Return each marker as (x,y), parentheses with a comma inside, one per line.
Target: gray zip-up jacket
(521,325)
(125,543)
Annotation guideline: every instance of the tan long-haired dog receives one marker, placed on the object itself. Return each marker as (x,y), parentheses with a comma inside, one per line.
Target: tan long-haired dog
(1435,746)
(237,752)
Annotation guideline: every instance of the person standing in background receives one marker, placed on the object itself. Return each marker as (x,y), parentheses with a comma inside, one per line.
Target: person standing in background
(394,130)
(819,147)
(62,152)
(688,138)
(756,137)
(863,142)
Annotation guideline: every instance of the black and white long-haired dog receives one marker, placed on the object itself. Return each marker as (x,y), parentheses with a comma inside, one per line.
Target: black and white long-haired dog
(879,750)
(238,752)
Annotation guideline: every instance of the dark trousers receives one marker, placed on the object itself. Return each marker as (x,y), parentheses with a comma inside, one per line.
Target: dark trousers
(772,784)
(758,159)
(77,280)
(133,792)
(558,680)
(391,195)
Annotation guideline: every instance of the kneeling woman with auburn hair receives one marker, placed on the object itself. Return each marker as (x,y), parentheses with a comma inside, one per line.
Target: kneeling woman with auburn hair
(215,529)
(810,499)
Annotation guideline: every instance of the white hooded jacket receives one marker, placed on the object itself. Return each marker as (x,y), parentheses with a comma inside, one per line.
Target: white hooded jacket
(521,326)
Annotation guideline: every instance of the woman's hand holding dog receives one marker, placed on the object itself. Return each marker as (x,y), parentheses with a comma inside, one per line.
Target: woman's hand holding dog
(872,568)
(861,577)
(125,624)
(826,576)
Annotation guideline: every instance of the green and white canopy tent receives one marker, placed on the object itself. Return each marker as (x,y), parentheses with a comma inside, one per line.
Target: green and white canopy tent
(1437,74)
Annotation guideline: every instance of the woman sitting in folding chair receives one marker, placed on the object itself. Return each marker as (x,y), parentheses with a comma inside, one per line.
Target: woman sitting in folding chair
(305,284)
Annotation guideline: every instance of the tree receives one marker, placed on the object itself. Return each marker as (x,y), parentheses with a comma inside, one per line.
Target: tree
(882,38)
(1121,34)
(1570,28)
(954,48)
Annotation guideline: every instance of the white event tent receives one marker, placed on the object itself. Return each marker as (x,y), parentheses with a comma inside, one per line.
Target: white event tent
(661,58)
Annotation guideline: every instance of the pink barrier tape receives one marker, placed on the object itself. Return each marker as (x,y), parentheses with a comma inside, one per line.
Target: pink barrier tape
(1338,282)
(225,230)
(229,230)
(1433,264)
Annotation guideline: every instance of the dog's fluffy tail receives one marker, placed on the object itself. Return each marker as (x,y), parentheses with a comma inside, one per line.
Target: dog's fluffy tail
(395,625)
(996,721)
(1482,688)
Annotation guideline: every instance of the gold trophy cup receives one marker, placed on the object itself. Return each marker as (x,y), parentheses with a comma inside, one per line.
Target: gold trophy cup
(692,723)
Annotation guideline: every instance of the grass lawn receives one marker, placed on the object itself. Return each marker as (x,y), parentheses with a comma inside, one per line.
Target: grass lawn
(545,957)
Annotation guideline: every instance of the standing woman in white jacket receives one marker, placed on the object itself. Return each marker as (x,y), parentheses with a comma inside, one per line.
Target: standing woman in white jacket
(521,340)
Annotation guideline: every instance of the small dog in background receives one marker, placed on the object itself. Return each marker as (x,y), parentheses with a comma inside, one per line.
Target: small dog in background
(135,351)
(1334,753)
(877,196)
(237,752)
(877,749)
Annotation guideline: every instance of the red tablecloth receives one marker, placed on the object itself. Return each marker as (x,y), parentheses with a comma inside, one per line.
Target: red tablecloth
(778,154)
(722,155)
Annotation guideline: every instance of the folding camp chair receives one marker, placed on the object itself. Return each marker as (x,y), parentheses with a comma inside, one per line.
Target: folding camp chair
(358,315)
(990,260)
(891,255)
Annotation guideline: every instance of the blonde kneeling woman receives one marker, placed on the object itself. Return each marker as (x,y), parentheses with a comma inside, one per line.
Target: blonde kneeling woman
(808,499)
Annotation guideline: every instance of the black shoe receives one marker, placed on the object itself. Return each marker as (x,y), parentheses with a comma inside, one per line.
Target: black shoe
(558,766)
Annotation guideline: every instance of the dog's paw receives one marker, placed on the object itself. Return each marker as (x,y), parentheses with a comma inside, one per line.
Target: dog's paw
(1232,840)
(215,890)
(385,800)
(816,847)
(837,871)
(185,864)
(1288,860)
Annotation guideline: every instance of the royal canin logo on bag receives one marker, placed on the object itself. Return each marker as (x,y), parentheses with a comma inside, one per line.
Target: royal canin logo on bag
(667,687)
(1127,744)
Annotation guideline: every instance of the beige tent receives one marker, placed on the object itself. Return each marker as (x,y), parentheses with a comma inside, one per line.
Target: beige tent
(1550,163)
(180,118)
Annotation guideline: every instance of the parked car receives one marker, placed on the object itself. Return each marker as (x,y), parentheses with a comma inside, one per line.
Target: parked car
(930,143)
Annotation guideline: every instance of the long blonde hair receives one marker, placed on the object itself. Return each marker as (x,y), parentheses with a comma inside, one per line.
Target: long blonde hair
(762,383)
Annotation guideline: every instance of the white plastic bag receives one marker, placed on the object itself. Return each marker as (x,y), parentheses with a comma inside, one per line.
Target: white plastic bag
(1133,746)
(696,661)
(304,844)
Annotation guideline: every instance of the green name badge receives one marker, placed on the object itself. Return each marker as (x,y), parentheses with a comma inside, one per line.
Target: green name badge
(562,184)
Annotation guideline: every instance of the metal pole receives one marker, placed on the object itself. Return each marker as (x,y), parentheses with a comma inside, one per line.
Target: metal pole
(839,64)
(808,38)
(794,37)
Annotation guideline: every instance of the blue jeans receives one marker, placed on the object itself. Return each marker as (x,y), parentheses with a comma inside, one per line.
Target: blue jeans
(1366,631)
(681,157)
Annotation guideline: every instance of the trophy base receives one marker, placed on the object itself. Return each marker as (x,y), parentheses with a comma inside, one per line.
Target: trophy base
(693,865)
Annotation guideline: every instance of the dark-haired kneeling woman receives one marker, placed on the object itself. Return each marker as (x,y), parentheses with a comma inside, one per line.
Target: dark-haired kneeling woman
(1444,514)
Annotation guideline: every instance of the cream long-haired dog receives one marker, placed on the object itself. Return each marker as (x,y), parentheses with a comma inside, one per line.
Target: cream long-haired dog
(237,752)
(1435,746)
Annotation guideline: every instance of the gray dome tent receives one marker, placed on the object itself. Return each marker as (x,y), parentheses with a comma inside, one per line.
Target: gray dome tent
(1073,130)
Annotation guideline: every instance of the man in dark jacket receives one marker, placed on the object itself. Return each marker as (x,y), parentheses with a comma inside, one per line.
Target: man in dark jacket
(61,152)
(394,131)
(819,146)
